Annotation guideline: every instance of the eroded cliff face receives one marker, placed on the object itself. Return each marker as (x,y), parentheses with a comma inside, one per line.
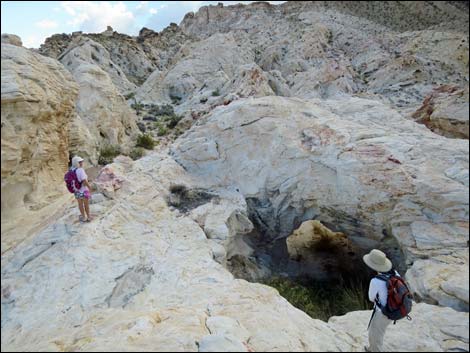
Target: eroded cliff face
(100,104)
(325,111)
(50,113)
(38,104)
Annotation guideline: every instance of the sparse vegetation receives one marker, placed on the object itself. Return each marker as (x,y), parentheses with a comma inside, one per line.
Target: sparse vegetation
(175,99)
(166,123)
(107,154)
(172,120)
(322,300)
(136,153)
(165,109)
(129,95)
(146,141)
(162,130)
(137,106)
(186,199)
(178,132)
(216,93)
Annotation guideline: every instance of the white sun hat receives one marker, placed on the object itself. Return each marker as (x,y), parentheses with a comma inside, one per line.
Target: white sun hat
(377,261)
(76,160)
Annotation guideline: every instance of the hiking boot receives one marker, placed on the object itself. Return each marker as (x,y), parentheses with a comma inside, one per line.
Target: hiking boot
(81,218)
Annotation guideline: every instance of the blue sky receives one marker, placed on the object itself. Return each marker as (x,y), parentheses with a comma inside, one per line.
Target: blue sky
(34,21)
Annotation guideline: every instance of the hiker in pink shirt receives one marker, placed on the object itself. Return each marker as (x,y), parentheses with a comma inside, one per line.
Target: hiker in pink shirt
(83,194)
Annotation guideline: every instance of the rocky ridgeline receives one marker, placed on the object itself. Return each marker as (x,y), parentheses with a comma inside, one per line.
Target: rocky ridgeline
(352,114)
(137,56)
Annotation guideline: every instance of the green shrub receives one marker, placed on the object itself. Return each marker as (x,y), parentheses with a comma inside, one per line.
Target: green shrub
(175,99)
(216,93)
(178,132)
(162,130)
(129,95)
(165,109)
(137,106)
(322,300)
(172,120)
(145,141)
(107,154)
(136,153)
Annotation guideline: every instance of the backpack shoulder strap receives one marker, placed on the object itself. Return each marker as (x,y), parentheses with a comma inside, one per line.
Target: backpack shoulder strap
(383,277)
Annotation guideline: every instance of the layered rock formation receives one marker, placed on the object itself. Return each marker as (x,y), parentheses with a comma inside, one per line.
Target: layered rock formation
(155,259)
(445,111)
(323,49)
(156,286)
(100,105)
(353,164)
(38,104)
(397,53)
(137,56)
(46,118)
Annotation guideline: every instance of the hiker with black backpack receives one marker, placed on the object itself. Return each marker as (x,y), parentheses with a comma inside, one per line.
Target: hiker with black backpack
(390,295)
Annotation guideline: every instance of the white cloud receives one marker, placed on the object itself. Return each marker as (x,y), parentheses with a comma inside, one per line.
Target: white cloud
(47,24)
(94,16)
(153,11)
(141,5)
(32,41)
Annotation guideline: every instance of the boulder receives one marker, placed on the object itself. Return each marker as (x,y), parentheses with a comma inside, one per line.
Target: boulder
(432,329)
(445,111)
(12,39)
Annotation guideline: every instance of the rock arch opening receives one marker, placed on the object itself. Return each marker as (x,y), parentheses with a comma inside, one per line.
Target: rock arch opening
(315,264)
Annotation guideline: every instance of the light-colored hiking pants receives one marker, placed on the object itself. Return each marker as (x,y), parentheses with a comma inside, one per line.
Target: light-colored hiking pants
(377,329)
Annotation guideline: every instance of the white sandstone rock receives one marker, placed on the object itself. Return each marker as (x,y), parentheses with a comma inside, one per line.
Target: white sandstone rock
(38,100)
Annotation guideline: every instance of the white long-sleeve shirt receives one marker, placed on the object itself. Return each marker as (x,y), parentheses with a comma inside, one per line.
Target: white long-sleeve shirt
(378,286)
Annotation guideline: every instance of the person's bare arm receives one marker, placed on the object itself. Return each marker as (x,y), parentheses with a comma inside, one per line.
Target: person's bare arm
(87,184)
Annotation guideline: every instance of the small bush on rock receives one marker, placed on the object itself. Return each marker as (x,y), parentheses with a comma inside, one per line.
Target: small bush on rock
(145,141)
(162,131)
(136,153)
(107,154)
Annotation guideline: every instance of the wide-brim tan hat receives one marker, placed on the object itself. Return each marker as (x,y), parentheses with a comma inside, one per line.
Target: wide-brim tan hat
(377,261)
